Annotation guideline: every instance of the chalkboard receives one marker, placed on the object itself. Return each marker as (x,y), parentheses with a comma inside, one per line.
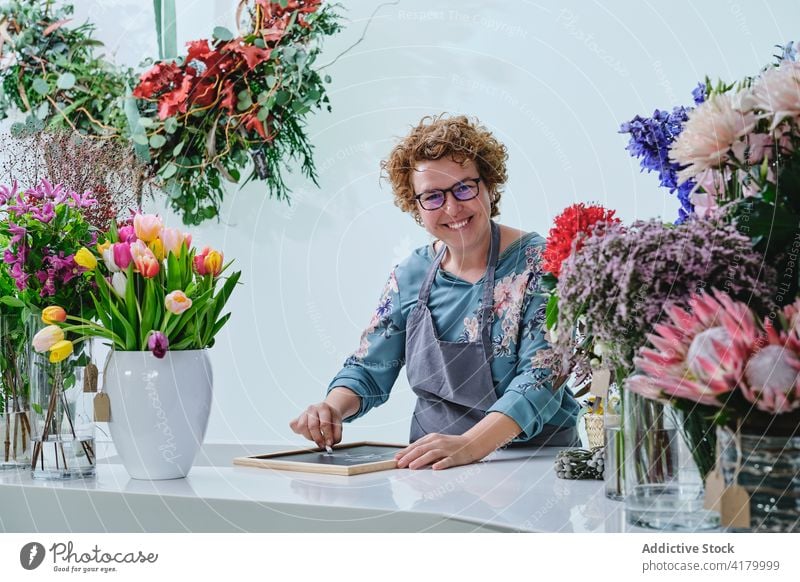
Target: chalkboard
(346,459)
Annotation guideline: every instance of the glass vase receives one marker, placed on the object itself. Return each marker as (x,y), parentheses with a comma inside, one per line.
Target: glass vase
(663,485)
(768,468)
(62,424)
(14,392)
(613,468)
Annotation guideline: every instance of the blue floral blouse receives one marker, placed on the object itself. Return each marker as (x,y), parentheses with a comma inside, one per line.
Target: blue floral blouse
(523,390)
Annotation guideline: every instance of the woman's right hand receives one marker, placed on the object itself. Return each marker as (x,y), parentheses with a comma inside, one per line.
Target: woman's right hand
(321,423)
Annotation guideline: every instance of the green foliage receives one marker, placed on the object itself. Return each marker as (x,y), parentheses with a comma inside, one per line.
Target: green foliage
(57,75)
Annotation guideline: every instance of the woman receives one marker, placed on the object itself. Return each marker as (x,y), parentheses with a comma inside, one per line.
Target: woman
(462,314)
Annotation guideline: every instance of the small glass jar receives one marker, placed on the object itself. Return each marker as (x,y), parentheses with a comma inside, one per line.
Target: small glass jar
(62,423)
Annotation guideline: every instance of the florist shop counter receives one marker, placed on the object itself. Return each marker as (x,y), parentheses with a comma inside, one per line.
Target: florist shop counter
(515,490)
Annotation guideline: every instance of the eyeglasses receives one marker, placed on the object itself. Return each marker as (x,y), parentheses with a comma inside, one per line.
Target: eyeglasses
(462,190)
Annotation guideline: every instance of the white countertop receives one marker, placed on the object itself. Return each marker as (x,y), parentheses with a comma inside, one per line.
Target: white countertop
(516,490)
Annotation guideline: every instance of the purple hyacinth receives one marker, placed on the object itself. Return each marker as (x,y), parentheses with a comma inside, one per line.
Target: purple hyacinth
(158,344)
(651,138)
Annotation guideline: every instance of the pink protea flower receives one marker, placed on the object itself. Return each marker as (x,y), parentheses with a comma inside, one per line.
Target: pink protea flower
(777,93)
(709,134)
(771,379)
(699,354)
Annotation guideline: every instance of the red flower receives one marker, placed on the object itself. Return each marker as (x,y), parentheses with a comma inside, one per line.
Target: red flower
(276,18)
(175,101)
(251,53)
(252,123)
(161,77)
(228,101)
(572,226)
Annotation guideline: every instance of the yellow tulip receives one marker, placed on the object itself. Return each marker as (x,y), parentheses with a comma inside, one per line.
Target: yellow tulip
(60,351)
(86,259)
(54,314)
(158,249)
(213,262)
(103,247)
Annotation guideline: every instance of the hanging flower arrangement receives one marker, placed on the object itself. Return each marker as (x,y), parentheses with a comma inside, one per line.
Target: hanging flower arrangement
(235,102)
(233,108)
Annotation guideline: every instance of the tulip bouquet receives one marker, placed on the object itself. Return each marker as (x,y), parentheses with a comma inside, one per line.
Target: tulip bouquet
(153,292)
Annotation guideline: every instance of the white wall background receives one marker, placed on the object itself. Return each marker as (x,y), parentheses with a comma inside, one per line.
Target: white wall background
(553,80)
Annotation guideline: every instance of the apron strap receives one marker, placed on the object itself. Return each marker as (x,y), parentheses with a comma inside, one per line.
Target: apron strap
(487,299)
(427,283)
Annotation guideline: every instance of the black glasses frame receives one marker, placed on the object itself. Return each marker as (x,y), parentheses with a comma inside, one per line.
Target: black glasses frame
(451,189)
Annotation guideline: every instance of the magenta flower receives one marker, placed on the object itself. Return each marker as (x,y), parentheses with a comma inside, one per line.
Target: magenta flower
(18,232)
(122,255)
(127,234)
(44,214)
(158,344)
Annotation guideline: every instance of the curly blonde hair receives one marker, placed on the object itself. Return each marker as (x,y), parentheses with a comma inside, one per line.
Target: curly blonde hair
(458,138)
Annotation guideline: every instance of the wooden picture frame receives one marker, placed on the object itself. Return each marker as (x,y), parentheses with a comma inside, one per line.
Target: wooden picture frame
(316,460)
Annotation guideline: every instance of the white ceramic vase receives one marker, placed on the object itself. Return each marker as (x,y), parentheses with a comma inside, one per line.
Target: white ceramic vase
(159,410)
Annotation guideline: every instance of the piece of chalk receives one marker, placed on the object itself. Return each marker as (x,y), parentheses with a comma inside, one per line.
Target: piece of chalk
(328,450)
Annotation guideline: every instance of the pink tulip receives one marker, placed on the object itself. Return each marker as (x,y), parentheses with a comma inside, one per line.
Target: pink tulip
(126,234)
(144,259)
(122,255)
(208,262)
(147,226)
(177,302)
(172,239)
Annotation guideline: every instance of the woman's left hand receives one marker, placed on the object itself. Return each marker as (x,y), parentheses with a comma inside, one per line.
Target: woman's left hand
(440,450)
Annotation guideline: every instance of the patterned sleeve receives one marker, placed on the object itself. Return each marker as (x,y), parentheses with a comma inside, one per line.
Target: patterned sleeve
(372,369)
(530,399)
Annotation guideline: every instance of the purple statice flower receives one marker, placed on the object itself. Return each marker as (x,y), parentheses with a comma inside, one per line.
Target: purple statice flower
(622,278)
(158,344)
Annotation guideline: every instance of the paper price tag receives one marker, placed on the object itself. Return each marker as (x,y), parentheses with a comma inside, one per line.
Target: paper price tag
(601,380)
(735,507)
(715,487)
(90,374)
(102,407)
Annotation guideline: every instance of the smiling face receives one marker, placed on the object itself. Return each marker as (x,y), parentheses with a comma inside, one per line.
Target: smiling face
(462,225)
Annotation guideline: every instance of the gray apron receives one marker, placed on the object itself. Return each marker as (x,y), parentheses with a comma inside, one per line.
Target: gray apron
(453,380)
